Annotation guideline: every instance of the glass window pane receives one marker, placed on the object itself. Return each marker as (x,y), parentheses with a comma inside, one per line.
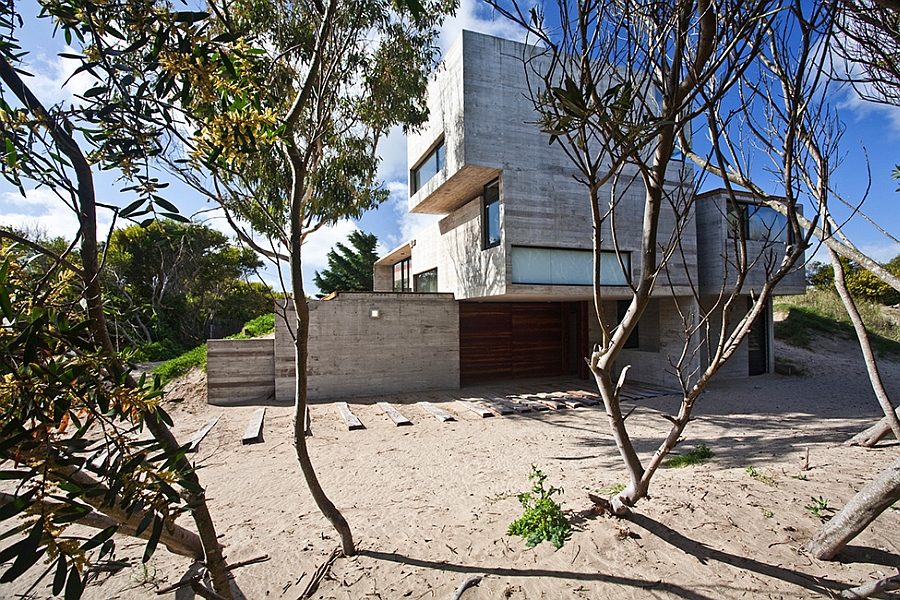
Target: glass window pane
(428,168)
(427,281)
(554,266)
(491,215)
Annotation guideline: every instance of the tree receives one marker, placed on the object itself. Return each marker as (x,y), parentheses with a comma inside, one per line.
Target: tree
(284,104)
(620,88)
(42,145)
(169,281)
(353,269)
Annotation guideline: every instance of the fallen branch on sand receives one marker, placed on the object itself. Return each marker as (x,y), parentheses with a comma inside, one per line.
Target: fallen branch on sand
(471,581)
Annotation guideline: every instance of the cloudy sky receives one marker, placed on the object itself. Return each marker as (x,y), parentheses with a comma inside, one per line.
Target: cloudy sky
(871,131)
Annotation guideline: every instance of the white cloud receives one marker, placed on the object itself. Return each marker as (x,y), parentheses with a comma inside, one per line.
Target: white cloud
(52,80)
(880,253)
(860,109)
(392,151)
(44,211)
(479,17)
(410,224)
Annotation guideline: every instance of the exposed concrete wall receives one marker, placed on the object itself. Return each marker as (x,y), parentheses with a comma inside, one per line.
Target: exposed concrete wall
(717,253)
(240,371)
(412,346)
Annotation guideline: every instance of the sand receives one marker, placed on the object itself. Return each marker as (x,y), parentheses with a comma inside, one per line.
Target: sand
(429,504)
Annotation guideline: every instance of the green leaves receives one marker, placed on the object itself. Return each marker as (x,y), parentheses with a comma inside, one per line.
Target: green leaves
(543,518)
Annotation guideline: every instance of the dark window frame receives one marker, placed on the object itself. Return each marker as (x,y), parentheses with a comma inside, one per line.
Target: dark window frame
(490,201)
(405,267)
(439,155)
(423,273)
(743,219)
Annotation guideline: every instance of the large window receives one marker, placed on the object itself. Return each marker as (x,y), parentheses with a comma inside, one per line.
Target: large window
(556,266)
(401,275)
(427,281)
(759,223)
(491,217)
(428,168)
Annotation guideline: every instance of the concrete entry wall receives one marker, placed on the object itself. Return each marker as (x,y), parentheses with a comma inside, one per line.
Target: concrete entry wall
(413,345)
(240,371)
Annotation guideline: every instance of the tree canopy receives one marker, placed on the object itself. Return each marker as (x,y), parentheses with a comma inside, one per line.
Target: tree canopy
(349,269)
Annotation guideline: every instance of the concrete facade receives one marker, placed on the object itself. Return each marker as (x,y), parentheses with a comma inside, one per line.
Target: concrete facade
(481,117)
(412,345)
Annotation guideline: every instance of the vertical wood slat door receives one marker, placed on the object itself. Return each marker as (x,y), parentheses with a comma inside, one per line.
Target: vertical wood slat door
(502,340)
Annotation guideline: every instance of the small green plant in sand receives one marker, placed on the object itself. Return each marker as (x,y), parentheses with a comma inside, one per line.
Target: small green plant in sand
(543,518)
(819,508)
(697,456)
(760,476)
(766,512)
(613,489)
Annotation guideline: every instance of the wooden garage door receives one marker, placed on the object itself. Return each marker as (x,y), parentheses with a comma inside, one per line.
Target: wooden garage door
(512,340)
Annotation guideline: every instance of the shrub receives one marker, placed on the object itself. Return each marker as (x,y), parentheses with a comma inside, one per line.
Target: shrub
(543,518)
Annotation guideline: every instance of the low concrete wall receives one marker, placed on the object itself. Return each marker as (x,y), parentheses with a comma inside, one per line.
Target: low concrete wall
(413,345)
(240,371)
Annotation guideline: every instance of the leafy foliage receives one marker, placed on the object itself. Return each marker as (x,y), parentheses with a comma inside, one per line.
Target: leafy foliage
(70,442)
(178,366)
(697,456)
(861,283)
(349,269)
(543,518)
(168,281)
(258,327)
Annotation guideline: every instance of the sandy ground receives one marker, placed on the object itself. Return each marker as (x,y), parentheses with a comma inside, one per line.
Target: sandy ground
(429,504)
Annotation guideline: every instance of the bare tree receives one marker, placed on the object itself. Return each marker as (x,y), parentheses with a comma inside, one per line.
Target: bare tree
(622,87)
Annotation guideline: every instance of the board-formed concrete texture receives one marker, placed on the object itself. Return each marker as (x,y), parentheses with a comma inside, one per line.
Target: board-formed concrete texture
(240,371)
(410,345)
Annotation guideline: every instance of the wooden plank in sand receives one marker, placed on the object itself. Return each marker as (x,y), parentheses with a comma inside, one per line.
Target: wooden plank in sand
(254,435)
(510,404)
(478,410)
(439,413)
(547,401)
(495,407)
(195,440)
(535,406)
(349,418)
(587,398)
(570,401)
(394,414)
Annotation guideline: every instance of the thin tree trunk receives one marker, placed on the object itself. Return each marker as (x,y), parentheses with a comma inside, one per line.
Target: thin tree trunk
(864,345)
(873,434)
(177,539)
(862,509)
(888,584)
(301,343)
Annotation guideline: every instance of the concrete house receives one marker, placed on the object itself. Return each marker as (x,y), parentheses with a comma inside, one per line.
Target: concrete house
(501,286)
(513,244)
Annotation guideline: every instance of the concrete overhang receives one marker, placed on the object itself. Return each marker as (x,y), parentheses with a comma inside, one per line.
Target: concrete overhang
(441,198)
(395,255)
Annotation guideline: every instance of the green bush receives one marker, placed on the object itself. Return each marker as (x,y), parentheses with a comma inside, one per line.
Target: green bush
(155,351)
(258,327)
(543,518)
(175,368)
(697,456)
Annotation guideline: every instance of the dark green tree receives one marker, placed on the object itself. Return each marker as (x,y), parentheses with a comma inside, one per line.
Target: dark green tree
(349,269)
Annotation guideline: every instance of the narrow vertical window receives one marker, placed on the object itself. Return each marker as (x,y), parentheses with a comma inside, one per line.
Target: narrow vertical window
(401,275)
(491,216)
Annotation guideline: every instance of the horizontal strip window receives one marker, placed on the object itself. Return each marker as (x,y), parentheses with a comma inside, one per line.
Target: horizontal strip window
(556,266)
(428,168)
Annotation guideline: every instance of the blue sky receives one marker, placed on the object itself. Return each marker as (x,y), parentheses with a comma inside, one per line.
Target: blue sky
(872,131)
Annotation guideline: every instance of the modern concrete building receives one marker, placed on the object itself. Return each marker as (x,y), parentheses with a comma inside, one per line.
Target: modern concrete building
(513,245)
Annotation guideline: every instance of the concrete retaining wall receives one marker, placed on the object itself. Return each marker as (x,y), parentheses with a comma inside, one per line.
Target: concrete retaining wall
(413,345)
(240,371)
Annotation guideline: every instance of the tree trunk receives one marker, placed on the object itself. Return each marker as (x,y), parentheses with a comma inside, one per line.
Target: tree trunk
(864,345)
(873,434)
(177,539)
(862,509)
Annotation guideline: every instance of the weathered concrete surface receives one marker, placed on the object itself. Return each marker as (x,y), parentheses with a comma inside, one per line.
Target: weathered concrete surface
(240,371)
(413,345)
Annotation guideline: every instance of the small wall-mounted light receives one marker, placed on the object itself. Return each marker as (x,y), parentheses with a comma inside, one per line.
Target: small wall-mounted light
(374,313)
